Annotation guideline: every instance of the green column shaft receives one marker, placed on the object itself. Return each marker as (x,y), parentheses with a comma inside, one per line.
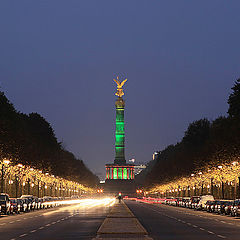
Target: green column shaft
(120,133)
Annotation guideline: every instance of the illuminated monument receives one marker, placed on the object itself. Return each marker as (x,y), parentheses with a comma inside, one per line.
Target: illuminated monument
(120,175)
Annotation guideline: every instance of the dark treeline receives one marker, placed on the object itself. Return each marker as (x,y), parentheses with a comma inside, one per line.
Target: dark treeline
(204,144)
(30,140)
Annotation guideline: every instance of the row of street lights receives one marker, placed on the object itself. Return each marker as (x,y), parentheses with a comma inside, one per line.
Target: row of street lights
(19,179)
(222,181)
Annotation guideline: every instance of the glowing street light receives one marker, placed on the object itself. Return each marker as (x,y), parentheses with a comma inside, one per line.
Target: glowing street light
(6,161)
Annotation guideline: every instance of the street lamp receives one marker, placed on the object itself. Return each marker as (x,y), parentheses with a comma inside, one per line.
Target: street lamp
(221,179)
(4,164)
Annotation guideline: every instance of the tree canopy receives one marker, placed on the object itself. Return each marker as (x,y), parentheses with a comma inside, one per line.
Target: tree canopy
(30,139)
(234,100)
(204,144)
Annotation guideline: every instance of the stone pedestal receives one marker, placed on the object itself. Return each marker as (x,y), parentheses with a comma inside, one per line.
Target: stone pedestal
(125,186)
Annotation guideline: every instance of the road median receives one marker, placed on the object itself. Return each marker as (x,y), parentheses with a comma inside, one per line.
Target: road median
(121,223)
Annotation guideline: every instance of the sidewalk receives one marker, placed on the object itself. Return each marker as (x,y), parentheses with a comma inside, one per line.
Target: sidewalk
(121,224)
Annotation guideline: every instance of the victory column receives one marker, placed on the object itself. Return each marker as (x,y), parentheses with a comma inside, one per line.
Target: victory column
(120,175)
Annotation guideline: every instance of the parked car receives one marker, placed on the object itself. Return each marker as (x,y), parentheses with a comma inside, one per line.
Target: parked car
(41,203)
(214,206)
(220,206)
(30,201)
(15,206)
(27,204)
(23,205)
(203,200)
(170,200)
(5,203)
(208,205)
(194,202)
(184,201)
(228,207)
(37,203)
(236,208)
(178,201)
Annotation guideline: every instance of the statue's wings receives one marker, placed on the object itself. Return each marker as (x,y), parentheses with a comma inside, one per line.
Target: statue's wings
(122,83)
(117,82)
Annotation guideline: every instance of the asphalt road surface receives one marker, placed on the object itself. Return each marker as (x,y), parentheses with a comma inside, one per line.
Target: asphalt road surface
(174,223)
(78,221)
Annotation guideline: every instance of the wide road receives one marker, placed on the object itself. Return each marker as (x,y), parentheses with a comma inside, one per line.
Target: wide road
(174,223)
(76,221)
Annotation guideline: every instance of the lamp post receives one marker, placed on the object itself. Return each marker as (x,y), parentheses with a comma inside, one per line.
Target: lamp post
(16,184)
(28,186)
(221,180)
(38,189)
(60,189)
(211,186)
(44,188)
(5,164)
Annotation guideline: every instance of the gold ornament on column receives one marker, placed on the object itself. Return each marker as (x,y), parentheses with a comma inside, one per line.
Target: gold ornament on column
(119,92)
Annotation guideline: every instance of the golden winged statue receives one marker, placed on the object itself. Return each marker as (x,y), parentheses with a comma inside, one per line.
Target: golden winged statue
(119,92)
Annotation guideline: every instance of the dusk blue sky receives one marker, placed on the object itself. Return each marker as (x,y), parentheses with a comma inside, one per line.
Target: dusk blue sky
(58,58)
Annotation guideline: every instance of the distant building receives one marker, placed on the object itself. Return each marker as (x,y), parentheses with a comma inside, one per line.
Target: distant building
(155,154)
(138,168)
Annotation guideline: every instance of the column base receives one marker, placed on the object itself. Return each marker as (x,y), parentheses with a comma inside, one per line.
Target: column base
(125,186)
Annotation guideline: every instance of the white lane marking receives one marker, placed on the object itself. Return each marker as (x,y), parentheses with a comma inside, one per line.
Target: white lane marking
(2,223)
(24,218)
(193,225)
(41,228)
(222,221)
(47,225)
(221,236)
(12,222)
(23,235)
(33,231)
(13,239)
(58,221)
(18,220)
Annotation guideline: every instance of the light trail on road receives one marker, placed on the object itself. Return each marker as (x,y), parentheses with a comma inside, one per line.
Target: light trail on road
(76,219)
